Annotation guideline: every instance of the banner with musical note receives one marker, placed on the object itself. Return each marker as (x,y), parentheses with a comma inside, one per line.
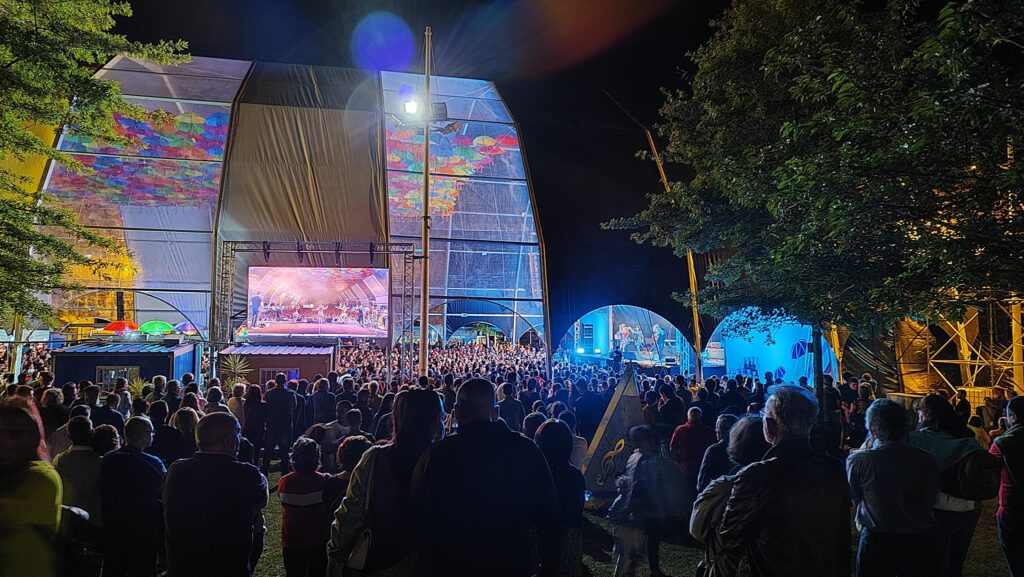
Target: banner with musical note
(608,452)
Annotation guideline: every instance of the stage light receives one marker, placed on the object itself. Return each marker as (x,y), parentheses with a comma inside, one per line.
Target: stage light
(412,107)
(579,351)
(597,351)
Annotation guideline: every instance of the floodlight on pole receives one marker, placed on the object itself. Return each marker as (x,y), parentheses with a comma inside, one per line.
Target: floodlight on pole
(412,107)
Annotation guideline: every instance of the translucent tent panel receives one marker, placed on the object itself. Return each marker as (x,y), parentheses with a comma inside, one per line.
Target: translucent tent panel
(485,252)
(188,131)
(457,148)
(157,192)
(440,85)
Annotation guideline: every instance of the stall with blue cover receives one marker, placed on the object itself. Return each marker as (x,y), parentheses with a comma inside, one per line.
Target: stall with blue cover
(102,363)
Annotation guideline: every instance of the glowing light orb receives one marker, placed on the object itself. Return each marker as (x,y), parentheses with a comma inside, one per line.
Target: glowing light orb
(382,41)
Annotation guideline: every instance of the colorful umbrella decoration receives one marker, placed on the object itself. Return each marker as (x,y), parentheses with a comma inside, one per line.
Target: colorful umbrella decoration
(156,327)
(187,328)
(121,327)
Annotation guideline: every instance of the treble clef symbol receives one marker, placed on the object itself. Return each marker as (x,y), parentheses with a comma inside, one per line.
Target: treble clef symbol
(608,462)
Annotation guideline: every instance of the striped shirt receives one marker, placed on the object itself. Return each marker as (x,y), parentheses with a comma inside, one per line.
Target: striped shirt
(306,508)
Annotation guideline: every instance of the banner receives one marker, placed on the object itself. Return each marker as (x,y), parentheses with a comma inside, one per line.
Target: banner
(608,452)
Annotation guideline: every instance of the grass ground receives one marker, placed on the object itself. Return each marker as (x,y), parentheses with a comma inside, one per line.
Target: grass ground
(985,558)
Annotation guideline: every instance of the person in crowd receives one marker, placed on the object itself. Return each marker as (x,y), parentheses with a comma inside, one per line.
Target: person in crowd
(90,395)
(894,487)
(942,435)
(167,441)
(306,496)
(185,420)
(70,392)
(229,540)
(828,434)
(31,493)
(60,440)
(105,439)
(649,410)
(173,396)
(334,433)
(215,401)
(348,455)
(354,421)
(362,405)
(589,410)
(192,401)
(1001,428)
(52,411)
(124,397)
(130,485)
(579,444)
(280,416)
(1009,446)
(79,469)
(255,427)
(139,407)
(386,405)
(689,442)
(555,440)
(989,412)
(379,495)
(732,396)
(671,408)
(300,418)
(790,514)
(745,444)
(716,461)
(963,406)
(236,404)
(323,402)
(980,434)
(531,423)
(707,409)
(463,478)
(108,414)
(510,409)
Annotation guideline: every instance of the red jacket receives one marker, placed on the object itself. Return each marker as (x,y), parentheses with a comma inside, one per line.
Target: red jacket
(306,513)
(689,441)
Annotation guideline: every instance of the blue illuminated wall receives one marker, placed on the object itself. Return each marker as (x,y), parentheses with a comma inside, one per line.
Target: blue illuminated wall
(784,350)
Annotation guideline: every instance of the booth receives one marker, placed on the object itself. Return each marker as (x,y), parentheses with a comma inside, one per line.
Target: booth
(295,361)
(104,363)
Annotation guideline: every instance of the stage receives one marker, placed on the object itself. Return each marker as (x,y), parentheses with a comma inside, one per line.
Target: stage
(318,329)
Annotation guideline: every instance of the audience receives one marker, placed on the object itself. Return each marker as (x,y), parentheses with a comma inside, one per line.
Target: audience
(79,469)
(306,496)
(1010,515)
(555,440)
(716,461)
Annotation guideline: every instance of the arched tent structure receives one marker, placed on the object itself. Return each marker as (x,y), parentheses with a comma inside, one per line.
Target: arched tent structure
(639,333)
(782,349)
(292,153)
(469,333)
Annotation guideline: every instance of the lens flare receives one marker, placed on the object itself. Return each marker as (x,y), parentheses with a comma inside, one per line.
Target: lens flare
(382,41)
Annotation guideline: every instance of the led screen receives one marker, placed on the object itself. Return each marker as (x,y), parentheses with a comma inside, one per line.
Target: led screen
(335,302)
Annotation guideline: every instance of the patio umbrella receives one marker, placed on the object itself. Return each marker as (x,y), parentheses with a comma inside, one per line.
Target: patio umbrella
(187,328)
(121,327)
(156,327)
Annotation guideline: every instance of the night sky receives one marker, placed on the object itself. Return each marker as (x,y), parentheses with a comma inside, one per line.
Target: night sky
(552,61)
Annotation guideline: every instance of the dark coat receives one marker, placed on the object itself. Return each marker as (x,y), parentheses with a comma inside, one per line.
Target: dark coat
(790,514)
(212,508)
(482,491)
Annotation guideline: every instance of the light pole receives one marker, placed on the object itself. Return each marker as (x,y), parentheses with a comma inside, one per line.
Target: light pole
(425,230)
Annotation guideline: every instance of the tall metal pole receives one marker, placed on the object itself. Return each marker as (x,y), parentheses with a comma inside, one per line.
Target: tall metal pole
(691,269)
(425,231)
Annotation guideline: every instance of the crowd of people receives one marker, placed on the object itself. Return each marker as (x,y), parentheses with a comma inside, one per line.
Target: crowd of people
(475,469)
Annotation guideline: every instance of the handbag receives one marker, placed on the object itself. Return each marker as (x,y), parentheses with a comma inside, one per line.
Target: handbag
(361,549)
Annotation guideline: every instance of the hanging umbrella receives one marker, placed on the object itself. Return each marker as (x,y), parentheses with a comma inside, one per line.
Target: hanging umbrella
(121,327)
(187,328)
(156,327)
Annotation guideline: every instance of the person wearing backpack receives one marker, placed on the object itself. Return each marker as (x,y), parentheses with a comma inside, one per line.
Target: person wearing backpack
(1009,447)
(952,445)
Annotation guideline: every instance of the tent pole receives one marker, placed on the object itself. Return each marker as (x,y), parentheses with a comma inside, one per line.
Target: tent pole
(425,231)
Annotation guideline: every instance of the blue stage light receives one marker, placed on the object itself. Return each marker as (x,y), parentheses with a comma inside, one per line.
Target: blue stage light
(579,351)
(597,351)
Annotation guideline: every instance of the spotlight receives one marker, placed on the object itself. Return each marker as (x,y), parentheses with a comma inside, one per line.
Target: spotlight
(412,107)
(579,351)
(597,351)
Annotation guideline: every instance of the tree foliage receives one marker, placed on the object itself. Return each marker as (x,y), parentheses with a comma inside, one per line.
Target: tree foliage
(852,160)
(49,52)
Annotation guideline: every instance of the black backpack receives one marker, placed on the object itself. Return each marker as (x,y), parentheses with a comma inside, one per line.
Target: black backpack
(976,476)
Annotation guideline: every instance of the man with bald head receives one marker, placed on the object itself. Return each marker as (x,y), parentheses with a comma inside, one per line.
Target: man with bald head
(482,490)
(212,531)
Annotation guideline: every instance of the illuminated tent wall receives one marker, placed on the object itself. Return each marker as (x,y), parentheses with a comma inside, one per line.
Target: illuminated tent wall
(315,154)
(157,196)
(598,331)
(782,350)
(485,252)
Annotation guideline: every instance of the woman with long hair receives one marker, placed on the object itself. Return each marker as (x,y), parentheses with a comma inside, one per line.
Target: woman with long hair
(185,420)
(379,492)
(32,492)
(947,439)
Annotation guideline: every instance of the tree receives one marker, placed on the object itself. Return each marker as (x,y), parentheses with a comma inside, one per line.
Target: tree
(850,160)
(49,52)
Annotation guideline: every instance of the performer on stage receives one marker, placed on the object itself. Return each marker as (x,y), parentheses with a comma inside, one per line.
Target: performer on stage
(254,309)
(659,340)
